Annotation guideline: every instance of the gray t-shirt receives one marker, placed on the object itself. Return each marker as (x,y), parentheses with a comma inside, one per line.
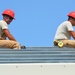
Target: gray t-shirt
(62,31)
(3,25)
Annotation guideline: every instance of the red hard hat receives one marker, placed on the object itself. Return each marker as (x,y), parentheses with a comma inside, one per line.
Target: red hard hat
(9,12)
(72,14)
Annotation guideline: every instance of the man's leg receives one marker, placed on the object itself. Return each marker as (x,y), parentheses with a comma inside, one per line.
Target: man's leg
(9,44)
(69,43)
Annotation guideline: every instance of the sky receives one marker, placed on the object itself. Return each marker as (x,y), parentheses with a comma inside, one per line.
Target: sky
(37,20)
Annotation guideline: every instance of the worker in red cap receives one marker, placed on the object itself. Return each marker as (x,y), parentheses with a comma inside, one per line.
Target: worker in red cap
(8,16)
(65,31)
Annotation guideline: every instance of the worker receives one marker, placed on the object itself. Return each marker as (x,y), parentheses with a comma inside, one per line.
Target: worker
(8,16)
(65,31)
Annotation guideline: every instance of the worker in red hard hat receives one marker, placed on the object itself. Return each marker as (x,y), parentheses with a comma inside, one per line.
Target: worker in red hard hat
(65,31)
(8,16)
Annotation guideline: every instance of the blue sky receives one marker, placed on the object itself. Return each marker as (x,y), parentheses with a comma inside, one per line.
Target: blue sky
(37,20)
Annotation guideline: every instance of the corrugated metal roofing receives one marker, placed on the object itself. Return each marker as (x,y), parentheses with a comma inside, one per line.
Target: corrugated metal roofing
(38,55)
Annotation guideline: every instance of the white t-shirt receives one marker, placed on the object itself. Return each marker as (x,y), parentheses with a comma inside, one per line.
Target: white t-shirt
(3,25)
(62,31)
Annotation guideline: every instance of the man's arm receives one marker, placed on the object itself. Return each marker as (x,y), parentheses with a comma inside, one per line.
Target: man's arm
(8,34)
(72,33)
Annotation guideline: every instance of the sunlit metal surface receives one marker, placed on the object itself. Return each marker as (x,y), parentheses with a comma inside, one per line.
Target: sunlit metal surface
(38,55)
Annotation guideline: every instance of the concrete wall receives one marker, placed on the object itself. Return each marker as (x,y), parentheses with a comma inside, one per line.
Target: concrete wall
(38,69)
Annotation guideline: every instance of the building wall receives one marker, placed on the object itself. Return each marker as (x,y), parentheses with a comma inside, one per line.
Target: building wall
(38,69)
